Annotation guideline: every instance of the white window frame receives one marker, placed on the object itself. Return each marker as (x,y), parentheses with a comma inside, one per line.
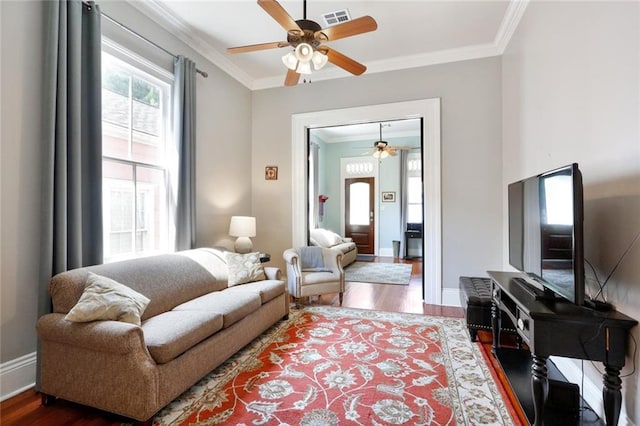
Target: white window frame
(161,77)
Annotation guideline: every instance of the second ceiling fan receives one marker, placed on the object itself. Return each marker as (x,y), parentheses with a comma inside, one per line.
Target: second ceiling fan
(307,38)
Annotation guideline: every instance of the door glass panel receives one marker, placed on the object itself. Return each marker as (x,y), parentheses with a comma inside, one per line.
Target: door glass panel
(359,203)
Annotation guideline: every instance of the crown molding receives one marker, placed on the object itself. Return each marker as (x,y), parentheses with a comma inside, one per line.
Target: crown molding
(161,15)
(509,23)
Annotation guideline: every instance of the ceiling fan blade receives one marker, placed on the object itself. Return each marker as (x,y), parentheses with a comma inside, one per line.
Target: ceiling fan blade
(344,62)
(255,47)
(391,152)
(292,78)
(277,12)
(351,28)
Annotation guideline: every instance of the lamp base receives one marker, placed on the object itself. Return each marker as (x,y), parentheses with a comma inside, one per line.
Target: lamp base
(243,245)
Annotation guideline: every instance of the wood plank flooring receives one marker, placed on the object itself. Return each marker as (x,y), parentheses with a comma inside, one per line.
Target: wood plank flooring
(25,408)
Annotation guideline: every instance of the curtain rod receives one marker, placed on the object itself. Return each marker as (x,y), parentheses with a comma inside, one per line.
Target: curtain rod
(141,37)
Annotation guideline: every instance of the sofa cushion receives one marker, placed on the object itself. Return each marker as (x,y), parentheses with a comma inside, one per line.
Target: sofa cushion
(267,290)
(244,268)
(171,333)
(106,299)
(233,306)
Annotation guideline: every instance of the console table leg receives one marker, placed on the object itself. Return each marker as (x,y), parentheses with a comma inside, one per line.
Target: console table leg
(495,326)
(611,395)
(539,386)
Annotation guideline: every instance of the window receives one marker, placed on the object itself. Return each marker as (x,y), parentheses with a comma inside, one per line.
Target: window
(135,156)
(414,188)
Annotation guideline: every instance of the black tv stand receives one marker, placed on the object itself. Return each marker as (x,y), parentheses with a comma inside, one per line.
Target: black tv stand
(562,329)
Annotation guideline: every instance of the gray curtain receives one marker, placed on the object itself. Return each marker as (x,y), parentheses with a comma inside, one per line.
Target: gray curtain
(184,125)
(71,229)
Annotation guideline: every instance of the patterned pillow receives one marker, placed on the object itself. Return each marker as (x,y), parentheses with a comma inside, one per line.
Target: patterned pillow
(244,268)
(106,299)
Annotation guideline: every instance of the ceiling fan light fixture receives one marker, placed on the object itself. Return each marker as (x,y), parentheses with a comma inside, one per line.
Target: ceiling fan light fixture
(290,61)
(304,67)
(319,60)
(304,52)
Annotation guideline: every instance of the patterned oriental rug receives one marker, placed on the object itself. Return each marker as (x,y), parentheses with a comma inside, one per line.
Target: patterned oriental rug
(378,272)
(330,366)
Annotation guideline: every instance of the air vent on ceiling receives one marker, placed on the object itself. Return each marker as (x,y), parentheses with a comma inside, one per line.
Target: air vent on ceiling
(337,17)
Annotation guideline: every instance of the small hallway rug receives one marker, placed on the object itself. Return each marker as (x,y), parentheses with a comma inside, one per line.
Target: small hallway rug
(330,366)
(378,273)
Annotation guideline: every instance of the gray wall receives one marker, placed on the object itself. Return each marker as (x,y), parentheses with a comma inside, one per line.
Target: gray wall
(571,94)
(223,154)
(471,153)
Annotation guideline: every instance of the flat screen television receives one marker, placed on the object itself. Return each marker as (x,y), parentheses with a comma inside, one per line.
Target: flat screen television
(545,232)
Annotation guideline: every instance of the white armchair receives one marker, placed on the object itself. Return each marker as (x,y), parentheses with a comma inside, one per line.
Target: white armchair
(303,282)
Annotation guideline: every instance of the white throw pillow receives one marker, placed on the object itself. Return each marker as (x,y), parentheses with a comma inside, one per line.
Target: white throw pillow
(325,238)
(106,299)
(244,268)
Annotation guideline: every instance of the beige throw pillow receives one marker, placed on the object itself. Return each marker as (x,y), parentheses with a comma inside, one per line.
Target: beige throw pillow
(106,299)
(244,268)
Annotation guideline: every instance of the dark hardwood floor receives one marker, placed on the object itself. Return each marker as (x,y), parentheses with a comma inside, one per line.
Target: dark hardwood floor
(25,408)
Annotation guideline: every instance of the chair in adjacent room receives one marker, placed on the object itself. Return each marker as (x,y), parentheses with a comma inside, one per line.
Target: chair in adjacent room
(313,271)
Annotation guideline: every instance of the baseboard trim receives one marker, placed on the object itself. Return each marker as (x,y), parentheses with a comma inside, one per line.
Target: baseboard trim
(17,375)
(451,297)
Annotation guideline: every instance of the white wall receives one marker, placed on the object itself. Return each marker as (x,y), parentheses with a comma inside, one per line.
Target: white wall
(223,162)
(471,150)
(571,93)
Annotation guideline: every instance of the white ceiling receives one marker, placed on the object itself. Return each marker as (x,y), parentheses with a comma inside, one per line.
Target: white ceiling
(410,33)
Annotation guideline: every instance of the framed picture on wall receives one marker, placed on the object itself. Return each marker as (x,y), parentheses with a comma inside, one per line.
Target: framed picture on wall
(271,173)
(389,197)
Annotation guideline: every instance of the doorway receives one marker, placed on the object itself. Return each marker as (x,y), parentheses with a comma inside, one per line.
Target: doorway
(429,111)
(359,218)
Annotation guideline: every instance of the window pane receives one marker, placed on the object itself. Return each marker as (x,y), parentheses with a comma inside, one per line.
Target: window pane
(118,208)
(152,215)
(414,213)
(147,123)
(414,190)
(359,203)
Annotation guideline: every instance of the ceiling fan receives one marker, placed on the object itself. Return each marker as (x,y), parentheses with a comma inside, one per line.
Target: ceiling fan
(382,149)
(307,38)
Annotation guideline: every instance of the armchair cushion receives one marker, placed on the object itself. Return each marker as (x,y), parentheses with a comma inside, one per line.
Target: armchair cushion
(106,299)
(244,268)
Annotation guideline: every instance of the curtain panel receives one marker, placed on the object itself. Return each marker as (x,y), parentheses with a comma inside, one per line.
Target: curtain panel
(184,127)
(71,142)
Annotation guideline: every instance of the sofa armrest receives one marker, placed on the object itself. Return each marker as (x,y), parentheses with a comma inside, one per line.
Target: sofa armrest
(272,273)
(105,336)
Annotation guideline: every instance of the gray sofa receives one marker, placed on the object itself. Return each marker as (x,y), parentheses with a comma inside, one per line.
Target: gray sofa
(329,239)
(192,323)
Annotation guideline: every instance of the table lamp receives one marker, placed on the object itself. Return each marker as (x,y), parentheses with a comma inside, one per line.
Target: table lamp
(243,227)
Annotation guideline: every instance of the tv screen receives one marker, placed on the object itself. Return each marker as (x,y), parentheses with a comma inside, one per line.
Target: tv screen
(545,230)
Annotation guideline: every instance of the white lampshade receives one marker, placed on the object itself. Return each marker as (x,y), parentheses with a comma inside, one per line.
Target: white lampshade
(304,52)
(243,227)
(304,68)
(290,61)
(319,60)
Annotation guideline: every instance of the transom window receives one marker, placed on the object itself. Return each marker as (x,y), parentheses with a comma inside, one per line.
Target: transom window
(135,157)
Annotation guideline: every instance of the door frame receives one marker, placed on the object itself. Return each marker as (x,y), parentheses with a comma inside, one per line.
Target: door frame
(429,111)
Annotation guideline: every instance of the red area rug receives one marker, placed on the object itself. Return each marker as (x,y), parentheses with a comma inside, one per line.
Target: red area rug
(329,366)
